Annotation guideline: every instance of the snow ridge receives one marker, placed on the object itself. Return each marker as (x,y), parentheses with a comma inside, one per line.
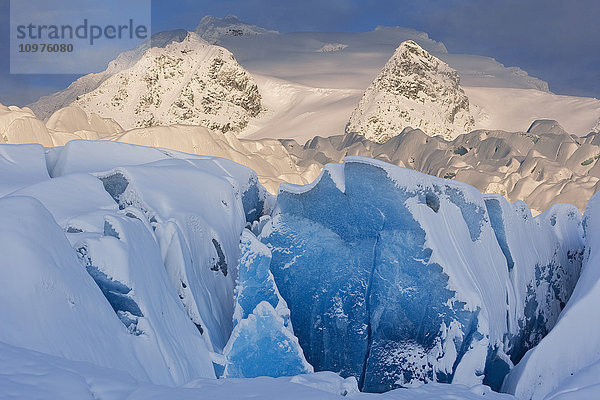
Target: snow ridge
(46,105)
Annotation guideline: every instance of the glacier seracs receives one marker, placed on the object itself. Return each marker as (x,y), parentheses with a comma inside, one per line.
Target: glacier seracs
(52,305)
(199,245)
(398,278)
(262,342)
(388,276)
(565,362)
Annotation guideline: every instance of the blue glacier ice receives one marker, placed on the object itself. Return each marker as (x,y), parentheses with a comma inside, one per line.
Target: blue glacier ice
(261,345)
(399,278)
(262,342)
(255,282)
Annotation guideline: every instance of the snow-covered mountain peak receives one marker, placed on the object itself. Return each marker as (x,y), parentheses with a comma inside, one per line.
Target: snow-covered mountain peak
(415,89)
(47,105)
(161,39)
(189,82)
(213,28)
(410,50)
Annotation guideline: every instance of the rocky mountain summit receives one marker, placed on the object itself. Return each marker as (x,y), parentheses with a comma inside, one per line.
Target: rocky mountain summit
(189,82)
(47,105)
(413,89)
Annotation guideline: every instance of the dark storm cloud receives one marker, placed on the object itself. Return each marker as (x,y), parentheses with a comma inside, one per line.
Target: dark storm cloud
(556,40)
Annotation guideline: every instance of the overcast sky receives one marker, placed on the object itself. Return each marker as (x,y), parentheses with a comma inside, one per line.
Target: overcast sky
(555,40)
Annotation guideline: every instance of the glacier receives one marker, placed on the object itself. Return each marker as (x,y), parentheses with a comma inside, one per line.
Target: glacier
(399,278)
(565,363)
(262,342)
(159,271)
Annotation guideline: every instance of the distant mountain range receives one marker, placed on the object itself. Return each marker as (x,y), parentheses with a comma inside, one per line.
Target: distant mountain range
(393,94)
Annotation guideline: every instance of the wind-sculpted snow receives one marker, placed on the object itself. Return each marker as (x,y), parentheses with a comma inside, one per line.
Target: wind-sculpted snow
(21,166)
(397,278)
(81,156)
(121,255)
(26,374)
(51,304)
(199,245)
(124,260)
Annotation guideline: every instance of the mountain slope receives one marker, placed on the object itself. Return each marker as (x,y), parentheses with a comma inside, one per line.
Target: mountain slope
(190,82)
(414,89)
(47,105)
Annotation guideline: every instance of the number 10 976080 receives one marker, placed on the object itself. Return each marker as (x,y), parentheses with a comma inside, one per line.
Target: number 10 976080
(45,48)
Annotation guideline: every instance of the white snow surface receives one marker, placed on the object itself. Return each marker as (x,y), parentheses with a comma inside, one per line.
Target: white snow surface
(21,166)
(566,360)
(52,305)
(31,375)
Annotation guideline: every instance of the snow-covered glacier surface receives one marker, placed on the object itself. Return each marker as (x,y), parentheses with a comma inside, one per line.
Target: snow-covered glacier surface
(566,362)
(398,278)
(128,272)
(132,268)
